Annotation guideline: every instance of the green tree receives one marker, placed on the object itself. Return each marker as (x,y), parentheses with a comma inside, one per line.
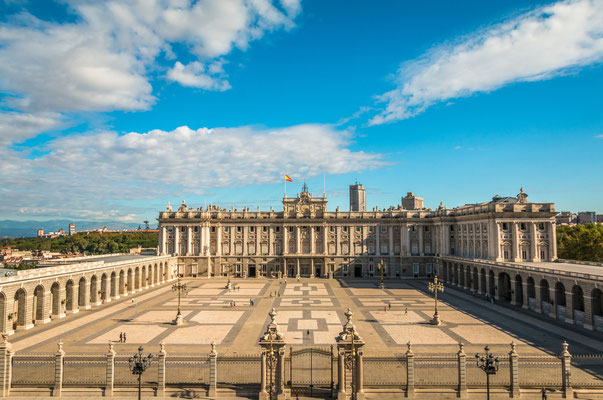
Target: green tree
(580,242)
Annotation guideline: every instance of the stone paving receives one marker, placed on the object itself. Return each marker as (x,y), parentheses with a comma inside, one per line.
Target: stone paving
(310,312)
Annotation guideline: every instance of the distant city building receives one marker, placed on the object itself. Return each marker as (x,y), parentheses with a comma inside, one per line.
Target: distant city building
(412,202)
(40,232)
(600,218)
(566,218)
(587,217)
(71,229)
(357,197)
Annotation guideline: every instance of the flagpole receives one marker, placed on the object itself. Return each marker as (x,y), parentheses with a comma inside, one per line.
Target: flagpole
(285,187)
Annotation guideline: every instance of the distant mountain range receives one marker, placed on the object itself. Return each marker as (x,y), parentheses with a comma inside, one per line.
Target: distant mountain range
(9,228)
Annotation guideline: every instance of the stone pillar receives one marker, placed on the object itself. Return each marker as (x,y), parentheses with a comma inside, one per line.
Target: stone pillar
(410,371)
(163,240)
(407,240)
(28,313)
(480,287)
(350,347)
(378,240)
(213,371)
(514,371)
(312,268)
(161,370)
(312,241)
(58,371)
(110,372)
(5,366)
(245,238)
(285,241)
(341,375)
(496,244)
(338,240)
(176,240)
(538,307)
(462,367)
(421,228)
(272,344)
(569,307)
(189,240)
(298,239)
(553,313)
(524,288)
(534,256)
(566,371)
(47,307)
(588,312)
(552,242)
(324,239)
(297,274)
(515,256)
(390,244)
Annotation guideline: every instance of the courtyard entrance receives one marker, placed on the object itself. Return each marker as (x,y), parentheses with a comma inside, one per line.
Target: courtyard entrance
(311,371)
(251,271)
(358,271)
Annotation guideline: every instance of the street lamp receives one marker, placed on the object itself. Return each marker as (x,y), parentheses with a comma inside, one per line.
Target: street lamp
(228,269)
(179,287)
(271,366)
(488,364)
(435,287)
(138,364)
(381,267)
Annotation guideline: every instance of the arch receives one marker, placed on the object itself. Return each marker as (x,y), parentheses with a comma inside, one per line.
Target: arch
(492,284)
(462,276)
(113,291)
(69,296)
(81,298)
(136,278)
(165,272)
(483,280)
(103,288)
(504,287)
(93,289)
(559,294)
(143,281)
(3,313)
(531,288)
(468,280)
(475,279)
(156,274)
(577,298)
(20,308)
(55,295)
(518,290)
(37,312)
(544,291)
(130,283)
(122,283)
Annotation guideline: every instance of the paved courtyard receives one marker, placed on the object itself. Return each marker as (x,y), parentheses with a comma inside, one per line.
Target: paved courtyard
(310,312)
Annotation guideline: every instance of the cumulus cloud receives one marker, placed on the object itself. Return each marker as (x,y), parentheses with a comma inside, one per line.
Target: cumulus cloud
(15,127)
(87,172)
(196,75)
(105,59)
(535,46)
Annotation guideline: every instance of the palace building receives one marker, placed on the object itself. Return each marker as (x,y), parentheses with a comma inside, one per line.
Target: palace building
(307,240)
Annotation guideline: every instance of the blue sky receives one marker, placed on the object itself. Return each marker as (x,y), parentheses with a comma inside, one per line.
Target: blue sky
(110,109)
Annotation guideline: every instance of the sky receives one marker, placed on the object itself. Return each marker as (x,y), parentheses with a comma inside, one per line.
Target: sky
(110,109)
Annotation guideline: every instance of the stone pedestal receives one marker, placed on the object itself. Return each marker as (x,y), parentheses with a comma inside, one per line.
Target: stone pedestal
(436,319)
(273,362)
(351,371)
(179,319)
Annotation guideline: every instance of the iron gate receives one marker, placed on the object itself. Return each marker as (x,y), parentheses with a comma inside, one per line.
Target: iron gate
(311,371)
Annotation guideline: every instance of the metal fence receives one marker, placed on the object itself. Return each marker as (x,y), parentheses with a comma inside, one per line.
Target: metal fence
(33,370)
(239,370)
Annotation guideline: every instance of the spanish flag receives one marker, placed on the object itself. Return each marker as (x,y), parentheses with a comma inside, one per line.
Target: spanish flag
(288,179)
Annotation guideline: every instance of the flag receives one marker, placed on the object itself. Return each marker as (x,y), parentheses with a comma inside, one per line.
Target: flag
(288,179)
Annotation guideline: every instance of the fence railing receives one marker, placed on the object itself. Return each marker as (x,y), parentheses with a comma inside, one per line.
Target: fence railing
(407,372)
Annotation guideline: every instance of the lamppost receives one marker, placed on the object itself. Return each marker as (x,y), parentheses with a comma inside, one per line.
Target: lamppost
(179,287)
(435,287)
(271,366)
(488,364)
(381,267)
(138,364)
(228,269)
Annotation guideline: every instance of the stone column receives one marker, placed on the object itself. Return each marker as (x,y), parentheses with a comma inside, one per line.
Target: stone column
(324,239)
(338,240)
(552,242)
(62,297)
(524,288)
(515,243)
(47,306)
(407,240)
(297,274)
(311,268)
(263,373)
(176,240)
(350,345)
(553,313)
(163,250)
(538,307)
(534,256)
(161,370)
(312,242)
(5,366)
(514,371)
(402,253)
(280,378)
(391,244)
(189,240)
(421,228)
(462,366)
(245,238)
(496,244)
(569,307)
(378,240)
(110,371)
(588,312)
(566,371)
(58,371)
(410,372)
(341,375)
(359,375)
(272,344)
(285,241)
(480,288)
(213,371)
(298,239)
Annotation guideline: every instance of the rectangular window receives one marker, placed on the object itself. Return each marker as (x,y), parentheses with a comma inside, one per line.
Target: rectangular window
(396,250)
(252,229)
(345,268)
(426,229)
(332,229)
(170,229)
(427,249)
(384,249)
(196,229)
(345,228)
(357,228)
(415,269)
(290,229)
(371,268)
(239,229)
(396,228)
(371,229)
(383,229)
(182,229)
(523,226)
(415,249)
(277,248)
(264,229)
(505,226)
(277,229)
(371,249)
(451,228)
(213,228)
(225,229)
(506,254)
(541,226)
(318,229)
(524,254)
(542,255)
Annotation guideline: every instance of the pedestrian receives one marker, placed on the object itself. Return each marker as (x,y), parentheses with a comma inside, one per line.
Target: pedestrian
(492,300)
(405,310)
(124,337)
(543,391)
(121,337)
(270,294)
(385,308)
(389,305)
(298,278)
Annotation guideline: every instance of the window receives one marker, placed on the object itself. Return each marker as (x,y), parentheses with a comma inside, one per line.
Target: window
(225,229)
(264,229)
(541,226)
(523,226)
(505,226)
(414,228)
(428,248)
(506,254)
(384,249)
(277,248)
(332,229)
(182,229)
(371,249)
(213,228)
(415,249)
(290,229)
(252,229)
(251,248)
(451,228)
(358,248)
(524,254)
(357,228)
(371,229)
(239,229)
(264,248)
(170,229)
(396,228)
(426,229)
(371,268)
(345,228)
(415,269)
(196,229)
(542,255)
(345,268)
(277,229)
(383,229)
(396,250)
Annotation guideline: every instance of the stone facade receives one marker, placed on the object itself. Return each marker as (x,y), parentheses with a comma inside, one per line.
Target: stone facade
(304,239)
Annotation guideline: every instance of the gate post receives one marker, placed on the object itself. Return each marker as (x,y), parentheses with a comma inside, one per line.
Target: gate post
(514,371)
(273,360)
(349,345)
(566,370)
(58,370)
(341,374)
(213,371)
(462,357)
(110,372)
(410,371)
(5,365)
(161,370)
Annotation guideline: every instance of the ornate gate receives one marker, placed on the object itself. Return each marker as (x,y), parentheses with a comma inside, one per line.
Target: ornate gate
(311,371)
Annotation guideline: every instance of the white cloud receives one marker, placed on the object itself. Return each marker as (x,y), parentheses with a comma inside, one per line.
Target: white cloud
(88,172)
(106,58)
(599,136)
(196,75)
(15,127)
(538,45)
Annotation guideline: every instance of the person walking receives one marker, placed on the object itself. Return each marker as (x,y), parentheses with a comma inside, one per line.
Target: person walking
(121,337)
(405,310)
(543,391)
(124,337)
(389,305)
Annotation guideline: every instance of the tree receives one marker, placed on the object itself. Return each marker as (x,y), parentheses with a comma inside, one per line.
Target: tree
(580,242)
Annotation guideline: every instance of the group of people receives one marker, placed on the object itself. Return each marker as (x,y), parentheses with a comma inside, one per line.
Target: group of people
(389,307)
(122,337)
